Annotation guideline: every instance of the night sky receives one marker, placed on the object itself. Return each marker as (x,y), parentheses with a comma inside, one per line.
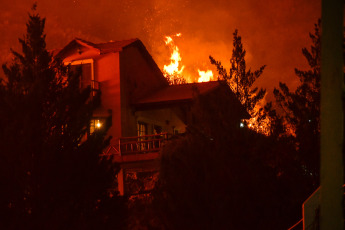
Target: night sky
(273,31)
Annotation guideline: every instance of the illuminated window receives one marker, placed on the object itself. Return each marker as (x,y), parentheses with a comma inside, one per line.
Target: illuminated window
(142,131)
(96,124)
(142,128)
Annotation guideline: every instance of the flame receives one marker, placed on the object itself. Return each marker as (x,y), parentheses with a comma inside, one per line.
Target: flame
(263,126)
(175,70)
(205,75)
(175,58)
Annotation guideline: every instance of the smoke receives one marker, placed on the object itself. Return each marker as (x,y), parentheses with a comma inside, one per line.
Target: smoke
(273,32)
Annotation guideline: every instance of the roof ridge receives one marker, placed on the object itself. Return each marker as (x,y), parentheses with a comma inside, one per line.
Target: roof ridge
(85,42)
(195,83)
(124,40)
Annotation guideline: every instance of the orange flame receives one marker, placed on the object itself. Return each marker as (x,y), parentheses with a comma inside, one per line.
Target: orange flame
(262,126)
(176,70)
(205,75)
(173,68)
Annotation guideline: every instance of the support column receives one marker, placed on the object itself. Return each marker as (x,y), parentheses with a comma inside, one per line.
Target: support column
(120,182)
(332,81)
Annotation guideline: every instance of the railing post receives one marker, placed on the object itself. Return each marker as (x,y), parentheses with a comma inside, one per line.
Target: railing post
(121,182)
(120,146)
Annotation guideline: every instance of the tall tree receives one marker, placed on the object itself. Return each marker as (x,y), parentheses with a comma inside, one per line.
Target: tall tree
(240,79)
(300,110)
(51,175)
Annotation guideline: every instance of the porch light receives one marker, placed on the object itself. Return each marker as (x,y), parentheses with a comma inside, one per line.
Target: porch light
(98,124)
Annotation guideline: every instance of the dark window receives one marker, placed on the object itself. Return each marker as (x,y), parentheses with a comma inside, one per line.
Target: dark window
(157,129)
(86,73)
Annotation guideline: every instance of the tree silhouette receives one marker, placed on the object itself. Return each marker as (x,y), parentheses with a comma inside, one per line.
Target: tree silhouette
(240,79)
(212,178)
(301,110)
(51,173)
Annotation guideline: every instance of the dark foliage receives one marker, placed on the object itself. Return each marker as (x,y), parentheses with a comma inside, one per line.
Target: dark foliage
(51,173)
(219,176)
(240,79)
(300,112)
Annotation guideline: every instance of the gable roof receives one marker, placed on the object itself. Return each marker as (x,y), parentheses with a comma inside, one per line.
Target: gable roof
(102,48)
(114,46)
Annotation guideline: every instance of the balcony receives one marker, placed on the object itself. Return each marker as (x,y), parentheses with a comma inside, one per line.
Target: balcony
(94,85)
(139,148)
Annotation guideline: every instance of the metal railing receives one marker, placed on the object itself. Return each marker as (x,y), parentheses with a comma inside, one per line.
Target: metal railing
(138,144)
(95,86)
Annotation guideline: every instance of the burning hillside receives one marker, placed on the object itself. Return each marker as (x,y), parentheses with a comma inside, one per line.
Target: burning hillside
(175,69)
(176,73)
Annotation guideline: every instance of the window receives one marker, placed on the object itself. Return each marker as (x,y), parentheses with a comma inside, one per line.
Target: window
(87,77)
(86,73)
(142,128)
(142,131)
(96,124)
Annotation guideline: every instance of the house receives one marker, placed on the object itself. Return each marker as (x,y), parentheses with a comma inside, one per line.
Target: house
(144,108)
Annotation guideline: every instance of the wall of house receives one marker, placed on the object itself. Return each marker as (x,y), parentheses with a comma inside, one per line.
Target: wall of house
(140,76)
(107,72)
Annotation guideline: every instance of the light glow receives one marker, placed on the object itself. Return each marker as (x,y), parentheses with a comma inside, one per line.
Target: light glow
(98,124)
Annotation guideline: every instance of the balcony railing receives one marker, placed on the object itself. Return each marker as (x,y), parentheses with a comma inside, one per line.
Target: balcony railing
(137,145)
(95,86)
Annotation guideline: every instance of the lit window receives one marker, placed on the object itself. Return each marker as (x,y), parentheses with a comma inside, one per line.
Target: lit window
(142,128)
(96,124)
(142,131)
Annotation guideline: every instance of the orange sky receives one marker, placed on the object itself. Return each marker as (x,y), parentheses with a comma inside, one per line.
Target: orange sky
(273,31)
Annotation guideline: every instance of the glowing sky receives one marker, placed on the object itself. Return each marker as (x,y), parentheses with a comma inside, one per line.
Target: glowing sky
(273,31)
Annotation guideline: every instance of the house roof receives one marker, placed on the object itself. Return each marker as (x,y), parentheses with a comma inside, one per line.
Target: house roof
(184,93)
(107,47)
(177,93)
(114,46)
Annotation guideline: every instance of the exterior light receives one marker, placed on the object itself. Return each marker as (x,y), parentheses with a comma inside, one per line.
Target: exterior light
(241,124)
(98,124)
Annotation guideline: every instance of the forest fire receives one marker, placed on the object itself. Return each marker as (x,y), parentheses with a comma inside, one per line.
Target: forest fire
(205,75)
(176,73)
(175,68)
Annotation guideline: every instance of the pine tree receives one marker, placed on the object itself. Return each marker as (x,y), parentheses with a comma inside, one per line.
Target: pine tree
(241,80)
(51,176)
(301,110)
